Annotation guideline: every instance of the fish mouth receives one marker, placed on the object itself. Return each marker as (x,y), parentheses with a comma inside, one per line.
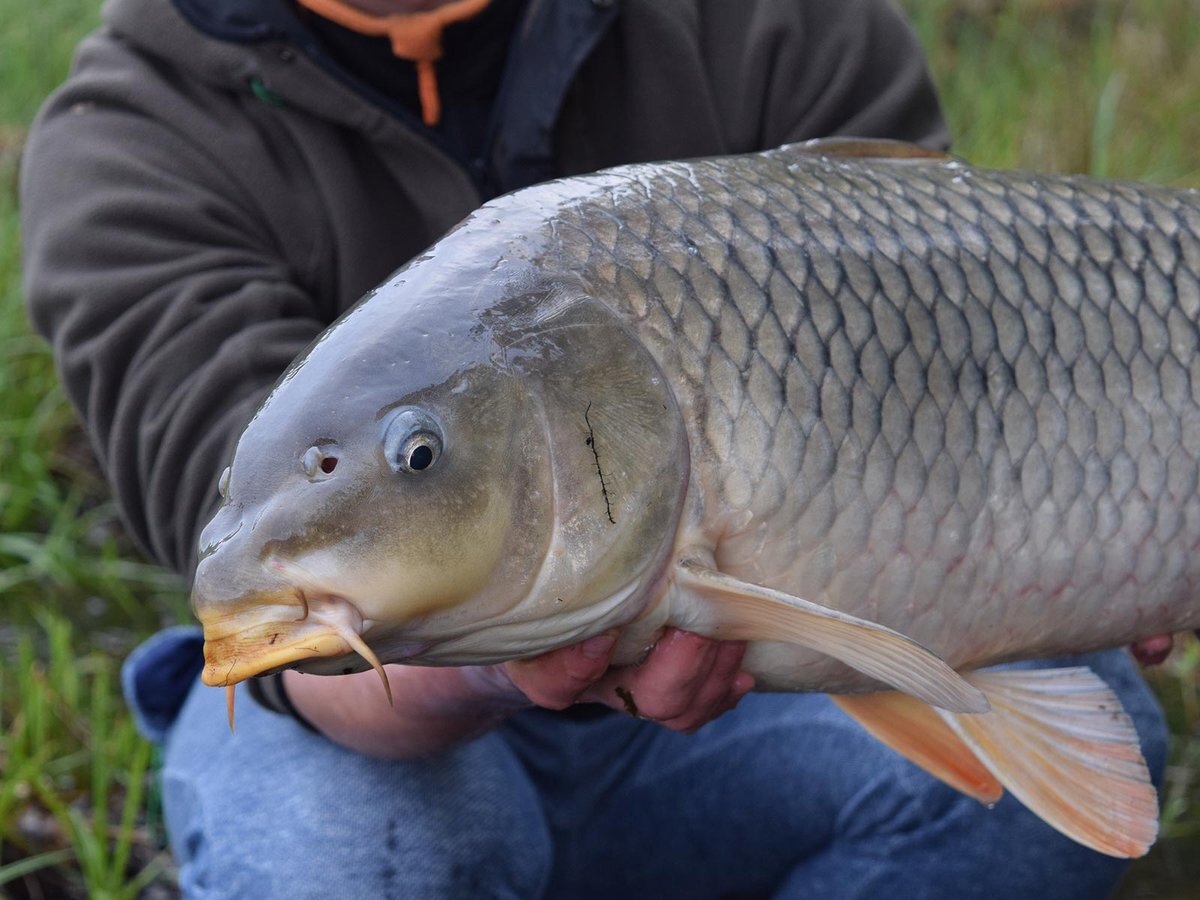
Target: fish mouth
(250,637)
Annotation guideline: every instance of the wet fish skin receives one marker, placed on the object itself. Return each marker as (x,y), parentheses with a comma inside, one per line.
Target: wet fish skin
(976,391)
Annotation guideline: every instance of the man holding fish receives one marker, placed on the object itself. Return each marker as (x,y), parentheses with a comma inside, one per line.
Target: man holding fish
(219,181)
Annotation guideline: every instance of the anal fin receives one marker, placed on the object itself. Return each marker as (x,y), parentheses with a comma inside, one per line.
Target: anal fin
(737,610)
(1059,740)
(915,731)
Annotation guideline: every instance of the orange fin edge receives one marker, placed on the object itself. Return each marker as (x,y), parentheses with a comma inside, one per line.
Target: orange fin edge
(915,731)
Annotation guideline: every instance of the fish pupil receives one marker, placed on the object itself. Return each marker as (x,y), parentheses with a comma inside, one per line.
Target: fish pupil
(328,464)
(421,458)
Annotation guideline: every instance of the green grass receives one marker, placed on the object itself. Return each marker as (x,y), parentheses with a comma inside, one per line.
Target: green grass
(1106,87)
(1110,87)
(75,597)
(75,773)
(60,543)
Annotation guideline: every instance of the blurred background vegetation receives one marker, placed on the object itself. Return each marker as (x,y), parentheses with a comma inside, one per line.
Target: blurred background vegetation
(1106,87)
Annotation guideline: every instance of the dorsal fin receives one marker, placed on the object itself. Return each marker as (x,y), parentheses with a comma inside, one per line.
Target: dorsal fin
(870,148)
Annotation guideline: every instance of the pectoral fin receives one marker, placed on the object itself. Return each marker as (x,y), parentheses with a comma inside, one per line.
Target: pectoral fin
(737,610)
(1059,740)
(915,731)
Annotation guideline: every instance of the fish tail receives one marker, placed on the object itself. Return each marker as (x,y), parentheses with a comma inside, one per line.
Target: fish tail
(1058,739)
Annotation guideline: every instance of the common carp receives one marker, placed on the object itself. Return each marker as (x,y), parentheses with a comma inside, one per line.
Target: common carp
(890,418)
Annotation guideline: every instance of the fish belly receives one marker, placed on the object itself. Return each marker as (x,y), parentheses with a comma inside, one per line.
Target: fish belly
(956,402)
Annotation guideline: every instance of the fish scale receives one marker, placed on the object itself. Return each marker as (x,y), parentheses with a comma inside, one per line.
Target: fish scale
(935,388)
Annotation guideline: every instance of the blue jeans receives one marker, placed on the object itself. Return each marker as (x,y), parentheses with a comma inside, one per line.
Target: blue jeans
(783,797)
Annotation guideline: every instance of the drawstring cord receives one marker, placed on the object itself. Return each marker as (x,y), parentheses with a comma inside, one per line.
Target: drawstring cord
(415,36)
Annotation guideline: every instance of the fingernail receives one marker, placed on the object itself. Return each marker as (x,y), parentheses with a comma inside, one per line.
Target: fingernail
(600,645)
(743,684)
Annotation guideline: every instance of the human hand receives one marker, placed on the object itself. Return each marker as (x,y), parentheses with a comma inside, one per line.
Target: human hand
(685,681)
(1150,651)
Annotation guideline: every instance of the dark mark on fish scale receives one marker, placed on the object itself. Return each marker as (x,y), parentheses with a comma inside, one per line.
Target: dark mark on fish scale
(591,442)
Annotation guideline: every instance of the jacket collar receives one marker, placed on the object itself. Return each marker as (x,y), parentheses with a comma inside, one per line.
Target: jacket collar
(549,45)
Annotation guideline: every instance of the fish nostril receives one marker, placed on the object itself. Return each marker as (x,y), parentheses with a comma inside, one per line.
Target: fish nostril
(210,546)
(316,461)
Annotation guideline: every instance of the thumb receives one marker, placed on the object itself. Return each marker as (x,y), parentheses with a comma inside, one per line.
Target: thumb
(557,679)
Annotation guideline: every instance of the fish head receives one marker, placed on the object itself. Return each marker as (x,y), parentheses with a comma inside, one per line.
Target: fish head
(441,486)
(359,513)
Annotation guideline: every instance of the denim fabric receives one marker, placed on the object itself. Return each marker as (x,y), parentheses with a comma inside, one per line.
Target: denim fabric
(783,797)
(159,674)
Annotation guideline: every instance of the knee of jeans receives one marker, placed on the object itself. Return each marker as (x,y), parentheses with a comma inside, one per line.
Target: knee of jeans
(457,826)
(158,675)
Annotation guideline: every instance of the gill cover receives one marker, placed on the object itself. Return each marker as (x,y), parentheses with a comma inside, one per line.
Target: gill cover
(617,466)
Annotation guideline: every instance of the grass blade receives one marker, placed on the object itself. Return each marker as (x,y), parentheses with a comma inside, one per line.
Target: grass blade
(31,864)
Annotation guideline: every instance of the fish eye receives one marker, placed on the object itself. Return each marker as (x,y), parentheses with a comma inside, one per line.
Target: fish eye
(412,440)
(316,462)
(223,484)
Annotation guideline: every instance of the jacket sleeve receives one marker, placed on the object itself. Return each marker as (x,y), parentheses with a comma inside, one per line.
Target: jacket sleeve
(675,79)
(164,291)
(834,67)
(857,70)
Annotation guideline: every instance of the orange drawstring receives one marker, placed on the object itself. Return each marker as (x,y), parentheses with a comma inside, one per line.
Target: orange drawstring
(415,36)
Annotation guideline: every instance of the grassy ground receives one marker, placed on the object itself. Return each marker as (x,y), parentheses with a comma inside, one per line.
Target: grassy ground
(1110,88)
(75,598)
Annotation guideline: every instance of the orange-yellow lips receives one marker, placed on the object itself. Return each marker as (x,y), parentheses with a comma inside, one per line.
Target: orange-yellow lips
(238,657)
(248,639)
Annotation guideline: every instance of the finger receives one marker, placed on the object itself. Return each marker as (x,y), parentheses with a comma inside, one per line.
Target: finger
(1151,651)
(666,684)
(715,695)
(712,707)
(687,677)
(559,678)
(729,659)
(719,692)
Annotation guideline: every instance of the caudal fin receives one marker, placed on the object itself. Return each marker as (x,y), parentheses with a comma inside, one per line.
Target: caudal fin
(1058,739)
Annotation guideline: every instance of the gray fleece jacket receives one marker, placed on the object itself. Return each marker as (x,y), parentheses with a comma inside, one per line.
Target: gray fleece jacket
(203,196)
